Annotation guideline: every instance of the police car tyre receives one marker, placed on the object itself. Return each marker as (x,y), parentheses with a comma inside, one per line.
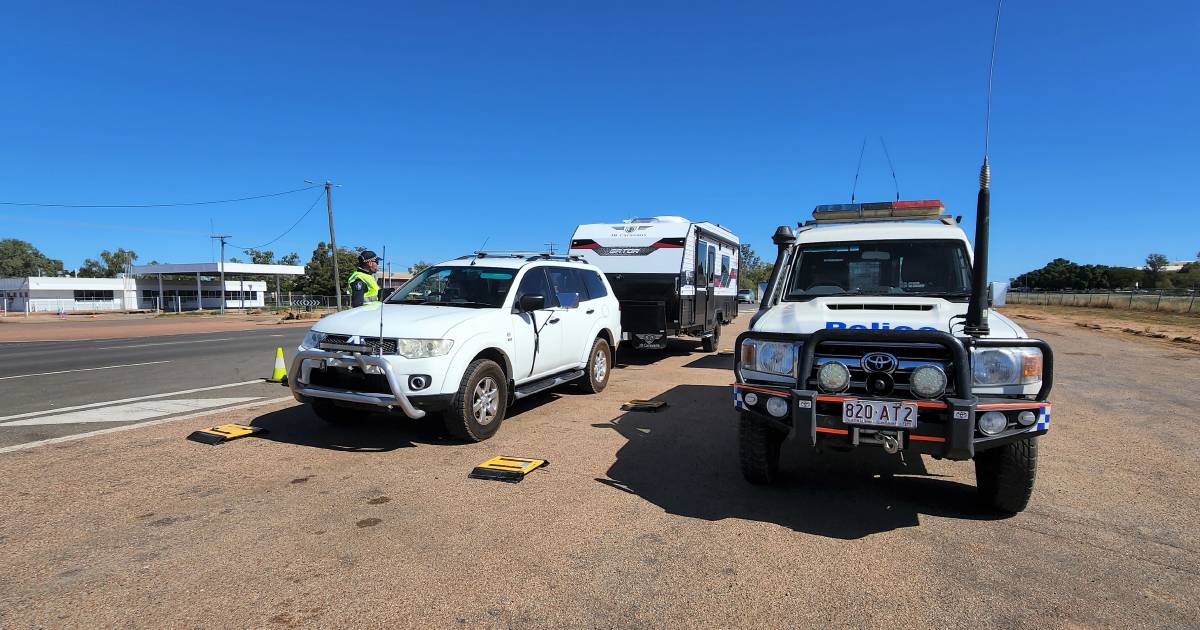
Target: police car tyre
(1005,475)
(758,450)
(599,366)
(328,411)
(711,342)
(482,382)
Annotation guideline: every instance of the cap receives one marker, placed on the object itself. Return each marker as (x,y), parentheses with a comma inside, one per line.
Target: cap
(367,256)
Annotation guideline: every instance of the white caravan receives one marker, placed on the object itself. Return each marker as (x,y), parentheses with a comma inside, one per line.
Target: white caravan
(672,276)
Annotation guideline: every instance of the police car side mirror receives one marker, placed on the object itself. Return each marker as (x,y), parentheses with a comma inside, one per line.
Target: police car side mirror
(531,303)
(997,293)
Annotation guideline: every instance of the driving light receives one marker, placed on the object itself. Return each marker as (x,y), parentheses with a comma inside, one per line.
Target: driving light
(992,423)
(833,377)
(1026,418)
(751,398)
(423,348)
(311,339)
(777,407)
(928,381)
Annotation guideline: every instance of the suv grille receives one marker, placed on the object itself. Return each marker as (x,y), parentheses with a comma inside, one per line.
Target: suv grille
(388,343)
(908,358)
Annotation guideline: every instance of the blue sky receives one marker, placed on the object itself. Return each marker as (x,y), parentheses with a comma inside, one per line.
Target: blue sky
(448,123)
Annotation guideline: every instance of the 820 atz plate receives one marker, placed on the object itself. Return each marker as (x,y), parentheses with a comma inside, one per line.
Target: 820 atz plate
(878,413)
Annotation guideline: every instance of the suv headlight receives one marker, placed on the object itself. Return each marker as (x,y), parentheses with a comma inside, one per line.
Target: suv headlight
(311,339)
(423,348)
(773,357)
(1006,366)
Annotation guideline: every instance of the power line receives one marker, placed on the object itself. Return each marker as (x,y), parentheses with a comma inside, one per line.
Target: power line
(155,205)
(314,205)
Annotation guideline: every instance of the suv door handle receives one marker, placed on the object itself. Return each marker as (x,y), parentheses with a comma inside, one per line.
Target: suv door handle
(553,320)
(590,311)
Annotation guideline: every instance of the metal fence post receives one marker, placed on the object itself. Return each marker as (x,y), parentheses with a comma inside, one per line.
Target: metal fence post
(1193,302)
(1159,302)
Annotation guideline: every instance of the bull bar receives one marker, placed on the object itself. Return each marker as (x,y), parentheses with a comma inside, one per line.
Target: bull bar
(958,442)
(300,389)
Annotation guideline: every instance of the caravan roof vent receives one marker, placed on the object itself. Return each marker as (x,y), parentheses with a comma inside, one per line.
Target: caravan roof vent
(663,219)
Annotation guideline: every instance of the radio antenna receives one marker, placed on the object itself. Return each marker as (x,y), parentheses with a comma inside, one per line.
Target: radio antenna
(976,322)
(380,346)
(857,170)
(889,159)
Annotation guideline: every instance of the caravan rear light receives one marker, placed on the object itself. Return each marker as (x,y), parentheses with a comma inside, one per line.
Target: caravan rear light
(668,243)
(584,243)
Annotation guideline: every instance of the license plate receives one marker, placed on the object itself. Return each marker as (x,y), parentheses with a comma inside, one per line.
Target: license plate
(878,413)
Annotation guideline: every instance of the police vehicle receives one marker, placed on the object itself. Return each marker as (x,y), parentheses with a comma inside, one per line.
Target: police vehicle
(875,331)
(464,339)
(672,275)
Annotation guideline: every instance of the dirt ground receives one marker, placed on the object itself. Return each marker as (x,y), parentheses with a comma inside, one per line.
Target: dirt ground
(15,328)
(642,520)
(1171,329)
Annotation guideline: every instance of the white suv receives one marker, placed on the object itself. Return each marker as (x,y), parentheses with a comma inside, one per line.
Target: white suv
(465,338)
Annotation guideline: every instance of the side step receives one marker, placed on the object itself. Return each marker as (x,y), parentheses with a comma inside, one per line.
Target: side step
(529,389)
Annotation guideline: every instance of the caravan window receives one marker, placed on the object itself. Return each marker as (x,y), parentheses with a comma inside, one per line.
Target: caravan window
(702,269)
(724,271)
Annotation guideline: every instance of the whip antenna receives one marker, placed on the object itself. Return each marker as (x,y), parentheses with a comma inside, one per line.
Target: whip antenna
(889,159)
(380,346)
(856,171)
(977,324)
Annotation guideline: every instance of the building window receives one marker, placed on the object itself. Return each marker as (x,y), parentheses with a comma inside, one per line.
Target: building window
(90,295)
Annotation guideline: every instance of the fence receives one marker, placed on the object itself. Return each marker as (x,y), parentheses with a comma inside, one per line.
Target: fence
(1182,301)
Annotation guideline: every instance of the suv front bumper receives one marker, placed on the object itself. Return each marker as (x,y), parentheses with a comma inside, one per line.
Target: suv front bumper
(303,390)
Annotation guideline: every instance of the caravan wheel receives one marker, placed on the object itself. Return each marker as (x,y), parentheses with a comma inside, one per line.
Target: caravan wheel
(710,343)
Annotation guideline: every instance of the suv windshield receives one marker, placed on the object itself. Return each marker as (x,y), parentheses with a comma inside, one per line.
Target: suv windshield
(468,287)
(929,268)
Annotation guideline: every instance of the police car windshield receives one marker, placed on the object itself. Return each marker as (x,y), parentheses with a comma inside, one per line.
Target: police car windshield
(465,287)
(917,268)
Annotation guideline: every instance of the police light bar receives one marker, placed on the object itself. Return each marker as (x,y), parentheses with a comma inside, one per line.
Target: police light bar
(924,209)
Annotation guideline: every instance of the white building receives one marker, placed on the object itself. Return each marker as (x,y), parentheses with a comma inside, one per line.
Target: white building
(146,289)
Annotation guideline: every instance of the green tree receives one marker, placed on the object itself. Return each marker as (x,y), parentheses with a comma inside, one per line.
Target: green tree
(1154,270)
(21,259)
(751,269)
(418,267)
(318,272)
(109,265)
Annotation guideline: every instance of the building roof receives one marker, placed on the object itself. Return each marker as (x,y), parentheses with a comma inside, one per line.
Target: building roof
(214,268)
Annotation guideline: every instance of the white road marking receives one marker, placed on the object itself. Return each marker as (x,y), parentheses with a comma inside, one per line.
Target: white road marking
(130,412)
(126,427)
(125,400)
(175,343)
(106,367)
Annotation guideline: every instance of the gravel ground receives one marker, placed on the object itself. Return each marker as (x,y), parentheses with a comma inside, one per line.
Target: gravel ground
(641,520)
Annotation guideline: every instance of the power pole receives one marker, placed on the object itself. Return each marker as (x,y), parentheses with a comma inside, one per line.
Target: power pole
(200,297)
(337,278)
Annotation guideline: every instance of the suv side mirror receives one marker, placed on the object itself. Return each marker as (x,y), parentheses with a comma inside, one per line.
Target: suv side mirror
(568,300)
(531,302)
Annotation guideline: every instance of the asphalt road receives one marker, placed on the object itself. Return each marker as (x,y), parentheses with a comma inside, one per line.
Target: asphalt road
(52,389)
(641,520)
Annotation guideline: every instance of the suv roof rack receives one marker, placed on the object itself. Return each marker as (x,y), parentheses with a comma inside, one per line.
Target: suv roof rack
(527,255)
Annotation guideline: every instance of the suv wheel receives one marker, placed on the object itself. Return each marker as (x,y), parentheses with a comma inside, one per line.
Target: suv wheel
(328,411)
(1005,475)
(758,449)
(480,402)
(711,342)
(599,366)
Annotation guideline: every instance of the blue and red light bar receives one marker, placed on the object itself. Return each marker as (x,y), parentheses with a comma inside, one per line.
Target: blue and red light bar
(925,208)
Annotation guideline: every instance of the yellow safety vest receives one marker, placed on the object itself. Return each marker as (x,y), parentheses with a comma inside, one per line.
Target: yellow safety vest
(372,293)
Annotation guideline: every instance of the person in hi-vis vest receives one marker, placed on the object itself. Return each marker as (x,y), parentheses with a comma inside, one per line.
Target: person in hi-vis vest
(363,287)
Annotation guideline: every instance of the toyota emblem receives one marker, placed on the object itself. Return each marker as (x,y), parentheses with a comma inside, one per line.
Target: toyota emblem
(879,362)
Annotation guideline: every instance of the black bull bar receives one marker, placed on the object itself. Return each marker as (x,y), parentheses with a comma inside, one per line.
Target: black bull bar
(960,411)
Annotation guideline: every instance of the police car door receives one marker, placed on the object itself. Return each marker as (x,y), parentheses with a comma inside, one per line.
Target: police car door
(537,335)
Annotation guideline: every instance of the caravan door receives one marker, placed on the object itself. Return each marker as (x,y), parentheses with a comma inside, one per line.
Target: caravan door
(706,257)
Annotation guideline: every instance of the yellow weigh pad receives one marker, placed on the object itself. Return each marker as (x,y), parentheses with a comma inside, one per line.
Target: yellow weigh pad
(510,469)
(223,433)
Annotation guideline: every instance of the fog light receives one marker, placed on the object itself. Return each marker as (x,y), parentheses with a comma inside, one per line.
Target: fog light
(750,398)
(418,382)
(928,381)
(1027,418)
(833,377)
(992,423)
(777,407)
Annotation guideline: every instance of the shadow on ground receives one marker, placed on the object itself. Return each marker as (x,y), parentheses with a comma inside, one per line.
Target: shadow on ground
(684,460)
(373,432)
(681,346)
